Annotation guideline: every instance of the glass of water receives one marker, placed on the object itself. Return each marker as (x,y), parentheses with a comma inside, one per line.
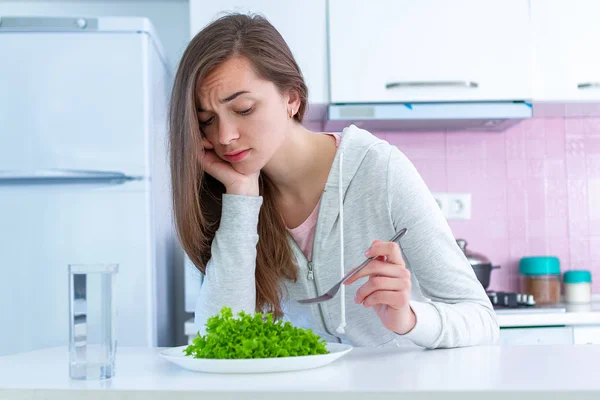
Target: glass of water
(92,318)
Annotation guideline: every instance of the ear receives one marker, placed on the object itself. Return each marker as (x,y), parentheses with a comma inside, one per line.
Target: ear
(293,101)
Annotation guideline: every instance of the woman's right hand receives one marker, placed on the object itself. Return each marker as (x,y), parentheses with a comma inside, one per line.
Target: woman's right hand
(234,181)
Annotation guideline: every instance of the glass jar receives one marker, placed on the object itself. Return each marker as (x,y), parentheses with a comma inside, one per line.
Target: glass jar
(540,277)
(578,286)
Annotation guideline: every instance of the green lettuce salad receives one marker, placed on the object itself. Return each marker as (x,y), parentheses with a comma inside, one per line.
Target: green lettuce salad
(255,336)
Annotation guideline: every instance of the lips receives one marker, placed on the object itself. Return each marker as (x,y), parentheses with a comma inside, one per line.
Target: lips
(236,156)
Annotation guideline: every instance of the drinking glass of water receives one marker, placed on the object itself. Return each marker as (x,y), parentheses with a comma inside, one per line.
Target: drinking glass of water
(92,319)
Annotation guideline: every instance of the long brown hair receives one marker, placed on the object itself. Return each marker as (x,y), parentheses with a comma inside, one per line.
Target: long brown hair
(197,195)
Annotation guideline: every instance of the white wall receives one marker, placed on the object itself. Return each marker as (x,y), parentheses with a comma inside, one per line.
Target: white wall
(170,17)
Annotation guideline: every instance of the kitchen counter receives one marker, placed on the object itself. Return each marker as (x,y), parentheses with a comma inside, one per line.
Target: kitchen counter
(559,315)
(495,372)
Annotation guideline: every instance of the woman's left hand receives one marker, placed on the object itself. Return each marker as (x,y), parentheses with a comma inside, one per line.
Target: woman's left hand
(388,287)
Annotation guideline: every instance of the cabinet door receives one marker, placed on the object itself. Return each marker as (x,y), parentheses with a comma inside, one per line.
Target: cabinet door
(586,335)
(566,61)
(535,336)
(429,50)
(303,25)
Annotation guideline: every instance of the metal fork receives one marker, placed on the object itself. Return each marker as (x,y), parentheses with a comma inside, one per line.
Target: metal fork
(333,291)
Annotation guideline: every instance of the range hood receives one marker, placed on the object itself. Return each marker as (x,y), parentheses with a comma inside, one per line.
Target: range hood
(428,116)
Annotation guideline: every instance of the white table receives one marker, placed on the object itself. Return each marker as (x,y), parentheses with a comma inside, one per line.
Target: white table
(495,372)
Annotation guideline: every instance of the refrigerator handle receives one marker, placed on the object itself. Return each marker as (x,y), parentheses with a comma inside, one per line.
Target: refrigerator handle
(47,24)
(64,176)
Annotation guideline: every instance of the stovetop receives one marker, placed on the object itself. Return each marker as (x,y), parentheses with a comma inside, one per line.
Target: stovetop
(517,302)
(511,299)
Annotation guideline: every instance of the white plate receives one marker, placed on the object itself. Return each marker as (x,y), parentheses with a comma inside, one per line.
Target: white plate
(255,365)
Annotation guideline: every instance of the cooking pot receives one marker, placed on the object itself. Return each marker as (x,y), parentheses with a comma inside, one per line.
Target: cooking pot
(480,263)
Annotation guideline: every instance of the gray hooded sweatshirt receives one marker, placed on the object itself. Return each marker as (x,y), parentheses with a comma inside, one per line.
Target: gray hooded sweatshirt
(382,193)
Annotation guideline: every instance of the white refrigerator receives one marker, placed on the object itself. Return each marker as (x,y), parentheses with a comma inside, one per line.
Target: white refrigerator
(83,175)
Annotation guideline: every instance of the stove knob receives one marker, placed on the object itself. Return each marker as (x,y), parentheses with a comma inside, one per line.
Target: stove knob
(530,300)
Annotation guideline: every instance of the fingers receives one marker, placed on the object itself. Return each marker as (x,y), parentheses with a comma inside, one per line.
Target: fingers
(396,300)
(207,144)
(208,158)
(381,268)
(390,250)
(217,168)
(379,283)
(386,253)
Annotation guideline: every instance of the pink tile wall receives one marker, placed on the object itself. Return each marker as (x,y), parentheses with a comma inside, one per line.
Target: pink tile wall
(535,190)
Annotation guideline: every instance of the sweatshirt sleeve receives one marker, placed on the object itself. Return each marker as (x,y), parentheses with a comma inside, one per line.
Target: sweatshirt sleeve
(230,279)
(459,312)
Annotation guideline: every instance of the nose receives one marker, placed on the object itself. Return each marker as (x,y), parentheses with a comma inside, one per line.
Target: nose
(227,133)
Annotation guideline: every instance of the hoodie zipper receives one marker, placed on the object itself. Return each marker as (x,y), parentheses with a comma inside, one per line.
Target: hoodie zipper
(311,277)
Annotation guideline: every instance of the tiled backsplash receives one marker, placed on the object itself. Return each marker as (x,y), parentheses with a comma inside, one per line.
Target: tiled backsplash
(535,190)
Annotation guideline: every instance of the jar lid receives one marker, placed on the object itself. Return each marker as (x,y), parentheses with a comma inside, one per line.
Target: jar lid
(577,276)
(539,266)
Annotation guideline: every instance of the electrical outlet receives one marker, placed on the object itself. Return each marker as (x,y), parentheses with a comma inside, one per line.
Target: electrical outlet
(442,201)
(454,205)
(458,206)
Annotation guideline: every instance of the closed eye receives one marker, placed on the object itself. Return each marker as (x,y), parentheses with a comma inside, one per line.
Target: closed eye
(246,112)
(211,119)
(207,122)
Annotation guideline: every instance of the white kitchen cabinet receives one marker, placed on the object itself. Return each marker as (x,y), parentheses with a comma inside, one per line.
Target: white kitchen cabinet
(536,336)
(303,25)
(429,50)
(566,60)
(586,335)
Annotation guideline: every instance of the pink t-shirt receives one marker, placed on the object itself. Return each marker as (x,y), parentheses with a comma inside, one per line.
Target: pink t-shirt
(304,234)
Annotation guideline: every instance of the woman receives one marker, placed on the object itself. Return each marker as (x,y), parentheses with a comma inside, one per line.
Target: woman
(257,206)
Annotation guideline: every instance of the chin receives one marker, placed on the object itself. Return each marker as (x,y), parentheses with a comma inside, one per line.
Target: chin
(246,168)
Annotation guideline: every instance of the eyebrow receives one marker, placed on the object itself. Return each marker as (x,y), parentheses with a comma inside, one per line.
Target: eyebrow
(229,98)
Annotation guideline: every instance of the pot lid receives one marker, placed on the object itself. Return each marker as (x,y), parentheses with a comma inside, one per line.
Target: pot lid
(474,258)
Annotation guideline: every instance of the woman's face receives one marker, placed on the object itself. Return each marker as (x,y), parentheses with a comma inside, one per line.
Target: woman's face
(243,118)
